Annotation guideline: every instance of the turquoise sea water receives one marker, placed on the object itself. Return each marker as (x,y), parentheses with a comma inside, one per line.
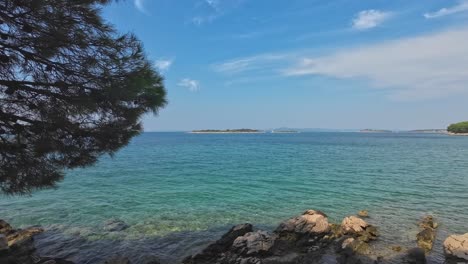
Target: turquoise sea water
(178,191)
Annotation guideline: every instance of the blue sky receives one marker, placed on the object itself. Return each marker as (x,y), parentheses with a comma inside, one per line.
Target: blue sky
(400,64)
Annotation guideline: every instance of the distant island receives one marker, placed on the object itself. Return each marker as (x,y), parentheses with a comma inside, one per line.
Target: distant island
(458,129)
(227,131)
(285,131)
(375,131)
(429,131)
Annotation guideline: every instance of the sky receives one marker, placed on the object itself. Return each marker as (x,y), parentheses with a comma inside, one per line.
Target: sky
(338,64)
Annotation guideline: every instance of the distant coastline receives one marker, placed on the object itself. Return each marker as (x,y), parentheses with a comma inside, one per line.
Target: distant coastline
(227,131)
(375,131)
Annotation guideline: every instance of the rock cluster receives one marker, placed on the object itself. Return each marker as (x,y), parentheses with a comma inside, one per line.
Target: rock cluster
(427,235)
(301,239)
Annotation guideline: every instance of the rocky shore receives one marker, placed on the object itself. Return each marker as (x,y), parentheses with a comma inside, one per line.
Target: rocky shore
(306,238)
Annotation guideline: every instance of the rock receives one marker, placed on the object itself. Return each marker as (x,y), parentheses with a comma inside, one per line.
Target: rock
(397,248)
(456,246)
(310,222)
(254,243)
(114,225)
(355,245)
(3,242)
(353,225)
(23,236)
(211,253)
(426,236)
(117,260)
(363,213)
(428,222)
(416,256)
(5,228)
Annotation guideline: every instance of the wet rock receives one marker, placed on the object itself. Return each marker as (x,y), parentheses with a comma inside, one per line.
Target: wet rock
(356,246)
(114,225)
(214,251)
(427,235)
(456,247)
(23,236)
(416,256)
(363,213)
(254,243)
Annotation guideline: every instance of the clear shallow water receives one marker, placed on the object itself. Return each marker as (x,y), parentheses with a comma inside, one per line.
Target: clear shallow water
(179,191)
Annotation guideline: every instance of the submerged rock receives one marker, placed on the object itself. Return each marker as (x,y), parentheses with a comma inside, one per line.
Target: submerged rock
(427,235)
(20,246)
(114,225)
(416,256)
(456,246)
(363,213)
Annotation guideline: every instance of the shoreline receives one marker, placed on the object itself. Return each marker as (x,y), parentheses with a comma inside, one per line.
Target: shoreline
(303,239)
(456,134)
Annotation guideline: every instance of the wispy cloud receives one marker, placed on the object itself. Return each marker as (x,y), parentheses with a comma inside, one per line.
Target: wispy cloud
(368,19)
(211,10)
(414,68)
(258,62)
(139,4)
(462,6)
(192,85)
(163,64)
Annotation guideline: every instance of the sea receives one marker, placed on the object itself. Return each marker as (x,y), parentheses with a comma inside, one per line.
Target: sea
(178,192)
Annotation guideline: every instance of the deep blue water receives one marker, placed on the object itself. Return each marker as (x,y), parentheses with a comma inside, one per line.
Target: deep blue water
(179,191)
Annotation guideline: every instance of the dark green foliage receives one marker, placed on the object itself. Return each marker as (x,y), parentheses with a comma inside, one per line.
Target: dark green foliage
(458,128)
(71,89)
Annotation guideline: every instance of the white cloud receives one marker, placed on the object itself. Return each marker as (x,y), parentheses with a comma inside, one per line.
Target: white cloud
(368,19)
(462,6)
(139,5)
(427,66)
(163,65)
(192,85)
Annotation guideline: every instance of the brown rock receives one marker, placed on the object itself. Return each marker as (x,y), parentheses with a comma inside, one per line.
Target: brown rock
(456,246)
(363,213)
(310,222)
(426,236)
(22,236)
(353,225)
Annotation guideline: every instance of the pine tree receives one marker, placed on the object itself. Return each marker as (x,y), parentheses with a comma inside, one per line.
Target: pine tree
(71,89)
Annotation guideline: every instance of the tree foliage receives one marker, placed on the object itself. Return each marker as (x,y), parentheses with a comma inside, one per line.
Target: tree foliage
(71,89)
(458,128)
